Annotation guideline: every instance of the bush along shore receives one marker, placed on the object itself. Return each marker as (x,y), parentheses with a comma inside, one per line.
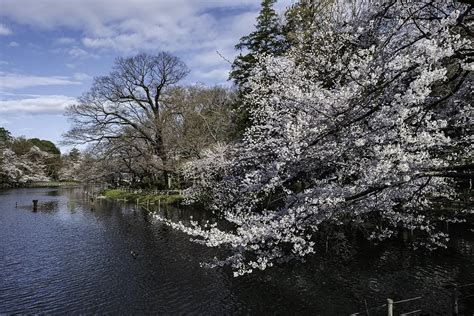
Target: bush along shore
(51,184)
(43,184)
(171,197)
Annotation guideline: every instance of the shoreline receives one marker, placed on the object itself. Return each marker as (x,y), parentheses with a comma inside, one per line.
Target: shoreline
(142,198)
(46,184)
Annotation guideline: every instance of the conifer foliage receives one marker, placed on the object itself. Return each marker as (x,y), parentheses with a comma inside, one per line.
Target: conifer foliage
(266,39)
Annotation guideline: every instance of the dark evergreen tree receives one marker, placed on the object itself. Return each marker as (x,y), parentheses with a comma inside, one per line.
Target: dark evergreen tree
(53,163)
(46,146)
(5,135)
(266,39)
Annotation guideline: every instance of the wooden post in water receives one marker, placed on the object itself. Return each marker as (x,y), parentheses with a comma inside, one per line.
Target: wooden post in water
(389,307)
(35,205)
(455,300)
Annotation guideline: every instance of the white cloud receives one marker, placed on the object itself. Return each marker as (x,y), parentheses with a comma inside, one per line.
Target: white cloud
(4,121)
(65,40)
(216,74)
(4,30)
(13,44)
(81,76)
(128,26)
(11,81)
(209,58)
(192,29)
(100,13)
(48,104)
(77,52)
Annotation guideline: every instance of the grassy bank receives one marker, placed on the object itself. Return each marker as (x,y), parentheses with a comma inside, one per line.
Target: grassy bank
(142,198)
(50,184)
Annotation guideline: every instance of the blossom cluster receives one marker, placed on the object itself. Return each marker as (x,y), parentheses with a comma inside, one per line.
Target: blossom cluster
(359,127)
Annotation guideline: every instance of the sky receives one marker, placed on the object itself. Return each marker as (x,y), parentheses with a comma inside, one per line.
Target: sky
(50,50)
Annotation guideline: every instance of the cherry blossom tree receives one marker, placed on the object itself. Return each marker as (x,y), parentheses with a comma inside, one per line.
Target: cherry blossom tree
(22,161)
(21,169)
(368,122)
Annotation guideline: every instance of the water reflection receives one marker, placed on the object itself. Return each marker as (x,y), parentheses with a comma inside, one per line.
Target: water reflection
(82,256)
(41,206)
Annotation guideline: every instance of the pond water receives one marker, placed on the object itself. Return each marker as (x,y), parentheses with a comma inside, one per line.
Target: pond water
(79,257)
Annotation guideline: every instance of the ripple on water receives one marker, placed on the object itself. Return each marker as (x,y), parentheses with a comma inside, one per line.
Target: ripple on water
(70,259)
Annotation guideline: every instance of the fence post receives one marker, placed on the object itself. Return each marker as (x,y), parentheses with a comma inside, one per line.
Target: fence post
(455,300)
(389,307)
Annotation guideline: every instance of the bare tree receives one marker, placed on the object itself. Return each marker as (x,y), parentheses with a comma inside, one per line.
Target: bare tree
(201,118)
(131,97)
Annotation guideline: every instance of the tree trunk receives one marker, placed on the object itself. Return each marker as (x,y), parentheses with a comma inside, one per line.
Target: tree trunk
(161,152)
(167,179)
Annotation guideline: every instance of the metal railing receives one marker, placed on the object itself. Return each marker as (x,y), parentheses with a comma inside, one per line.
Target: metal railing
(391,303)
(457,297)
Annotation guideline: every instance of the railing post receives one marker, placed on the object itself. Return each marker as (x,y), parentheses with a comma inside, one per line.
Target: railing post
(389,307)
(455,300)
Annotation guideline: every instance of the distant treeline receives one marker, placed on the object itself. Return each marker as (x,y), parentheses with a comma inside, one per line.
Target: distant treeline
(25,161)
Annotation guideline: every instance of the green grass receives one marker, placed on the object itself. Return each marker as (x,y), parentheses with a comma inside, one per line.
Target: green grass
(49,184)
(141,198)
